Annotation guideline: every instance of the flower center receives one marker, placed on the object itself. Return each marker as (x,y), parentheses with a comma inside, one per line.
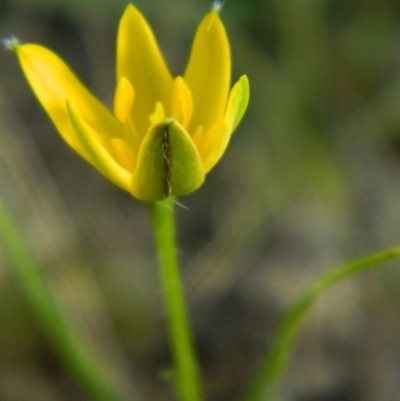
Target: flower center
(180,108)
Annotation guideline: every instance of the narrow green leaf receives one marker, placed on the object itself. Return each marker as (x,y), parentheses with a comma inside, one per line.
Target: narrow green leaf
(265,386)
(78,355)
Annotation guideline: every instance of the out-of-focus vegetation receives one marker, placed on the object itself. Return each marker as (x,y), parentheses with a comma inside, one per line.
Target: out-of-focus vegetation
(310,179)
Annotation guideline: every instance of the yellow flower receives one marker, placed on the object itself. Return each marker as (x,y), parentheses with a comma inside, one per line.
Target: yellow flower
(165,133)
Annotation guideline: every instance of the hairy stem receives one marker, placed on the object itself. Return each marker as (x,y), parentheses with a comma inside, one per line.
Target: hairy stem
(187,378)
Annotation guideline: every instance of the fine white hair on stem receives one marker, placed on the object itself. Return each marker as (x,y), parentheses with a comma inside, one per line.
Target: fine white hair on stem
(10,43)
(217,5)
(181,205)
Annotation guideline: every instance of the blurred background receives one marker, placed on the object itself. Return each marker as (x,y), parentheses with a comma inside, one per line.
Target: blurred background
(311,179)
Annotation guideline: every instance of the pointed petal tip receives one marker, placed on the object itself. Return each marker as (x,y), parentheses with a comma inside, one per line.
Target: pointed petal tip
(245,78)
(208,71)
(11,43)
(129,13)
(129,8)
(217,6)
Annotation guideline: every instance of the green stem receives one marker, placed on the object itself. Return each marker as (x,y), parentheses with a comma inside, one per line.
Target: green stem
(265,386)
(79,357)
(180,337)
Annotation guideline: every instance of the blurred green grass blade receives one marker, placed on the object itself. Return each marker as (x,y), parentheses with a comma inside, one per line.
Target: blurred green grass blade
(265,387)
(78,356)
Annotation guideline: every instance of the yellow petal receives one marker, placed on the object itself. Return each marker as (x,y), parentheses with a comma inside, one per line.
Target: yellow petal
(208,72)
(181,102)
(53,82)
(168,164)
(140,61)
(213,144)
(95,153)
(123,154)
(123,99)
(238,102)
(157,115)
(198,136)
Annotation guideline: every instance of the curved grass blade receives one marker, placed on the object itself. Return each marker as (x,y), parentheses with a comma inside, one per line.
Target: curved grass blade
(265,386)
